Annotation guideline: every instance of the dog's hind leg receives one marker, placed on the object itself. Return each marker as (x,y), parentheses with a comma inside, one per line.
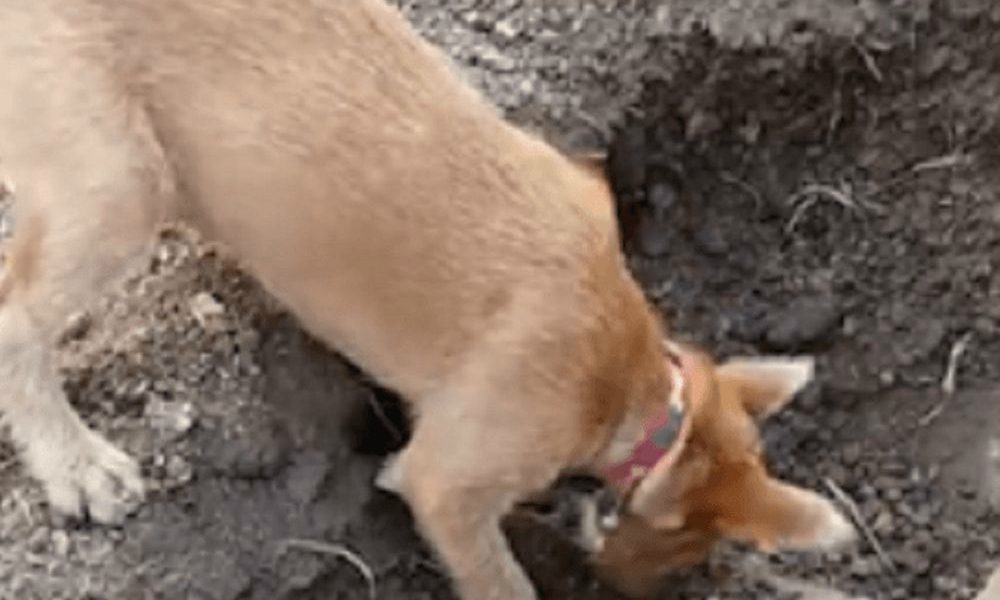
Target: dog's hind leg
(91,185)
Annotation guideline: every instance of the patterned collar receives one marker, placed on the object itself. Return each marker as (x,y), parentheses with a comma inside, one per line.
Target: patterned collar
(663,432)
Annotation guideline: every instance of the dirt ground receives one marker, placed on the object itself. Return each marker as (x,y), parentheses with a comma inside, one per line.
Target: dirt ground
(793,176)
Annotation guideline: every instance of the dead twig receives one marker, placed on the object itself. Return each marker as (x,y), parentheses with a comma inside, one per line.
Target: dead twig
(837,112)
(859,520)
(952,160)
(946,161)
(339,551)
(383,418)
(951,370)
(827,191)
(811,195)
(870,63)
(836,117)
(932,414)
(750,190)
(949,379)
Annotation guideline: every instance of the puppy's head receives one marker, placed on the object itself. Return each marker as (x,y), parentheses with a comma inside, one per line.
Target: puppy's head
(719,487)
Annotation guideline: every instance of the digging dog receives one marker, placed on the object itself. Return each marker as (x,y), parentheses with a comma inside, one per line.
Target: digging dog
(711,482)
(461,261)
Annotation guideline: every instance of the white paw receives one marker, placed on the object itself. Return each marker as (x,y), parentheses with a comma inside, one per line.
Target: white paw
(835,531)
(85,476)
(829,529)
(389,478)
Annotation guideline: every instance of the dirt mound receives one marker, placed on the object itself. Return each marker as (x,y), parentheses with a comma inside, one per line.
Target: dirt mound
(793,176)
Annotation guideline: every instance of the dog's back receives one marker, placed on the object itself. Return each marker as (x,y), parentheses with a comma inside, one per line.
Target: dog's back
(288,141)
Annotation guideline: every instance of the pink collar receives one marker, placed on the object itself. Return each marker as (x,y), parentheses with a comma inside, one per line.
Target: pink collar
(664,433)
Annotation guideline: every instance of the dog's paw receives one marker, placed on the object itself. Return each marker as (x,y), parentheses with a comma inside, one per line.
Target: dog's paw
(389,477)
(87,478)
(835,531)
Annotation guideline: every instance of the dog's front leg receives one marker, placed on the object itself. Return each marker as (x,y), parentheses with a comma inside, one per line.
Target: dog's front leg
(84,475)
(464,527)
(90,181)
(458,494)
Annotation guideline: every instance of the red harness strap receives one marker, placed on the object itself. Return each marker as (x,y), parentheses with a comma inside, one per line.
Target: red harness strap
(661,433)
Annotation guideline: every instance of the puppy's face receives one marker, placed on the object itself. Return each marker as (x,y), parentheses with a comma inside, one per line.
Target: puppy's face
(719,487)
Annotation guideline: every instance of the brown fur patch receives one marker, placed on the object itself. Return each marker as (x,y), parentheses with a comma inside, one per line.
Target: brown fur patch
(719,487)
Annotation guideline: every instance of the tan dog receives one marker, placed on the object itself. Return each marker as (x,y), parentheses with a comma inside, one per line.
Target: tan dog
(461,261)
(718,486)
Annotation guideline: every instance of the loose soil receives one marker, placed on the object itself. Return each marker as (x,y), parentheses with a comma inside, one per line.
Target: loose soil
(792,177)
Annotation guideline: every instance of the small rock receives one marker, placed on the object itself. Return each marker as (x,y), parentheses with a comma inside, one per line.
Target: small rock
(178,470)
(804,322)
(948,585)
(206,309)
(837,420)
(750,131)
(653,236)
(60,543)
(960,62)
(883,522)
(307,474)
(39,541)
(935,61)
(838,473)
(77,327)
(663,198)
(923,338)
(174,417)
(865,567)
(850,327)
(711,241)
(702,124)
(259,453)
(495,60)
(507,28)
(913,560)
(851,453)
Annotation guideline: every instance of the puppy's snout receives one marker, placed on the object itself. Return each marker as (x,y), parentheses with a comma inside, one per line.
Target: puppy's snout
(582,508)
(608,507)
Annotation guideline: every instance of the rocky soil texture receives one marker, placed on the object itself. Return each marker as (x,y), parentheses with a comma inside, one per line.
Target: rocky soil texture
(809,175)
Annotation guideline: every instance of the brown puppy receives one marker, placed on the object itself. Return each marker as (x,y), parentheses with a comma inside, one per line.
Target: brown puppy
(718,486)
(461,261)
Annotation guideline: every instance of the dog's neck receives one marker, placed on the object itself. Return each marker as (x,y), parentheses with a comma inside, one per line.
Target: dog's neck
(662,433)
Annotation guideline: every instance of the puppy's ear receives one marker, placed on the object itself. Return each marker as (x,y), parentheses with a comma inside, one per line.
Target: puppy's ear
(765,384)
(777,516)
